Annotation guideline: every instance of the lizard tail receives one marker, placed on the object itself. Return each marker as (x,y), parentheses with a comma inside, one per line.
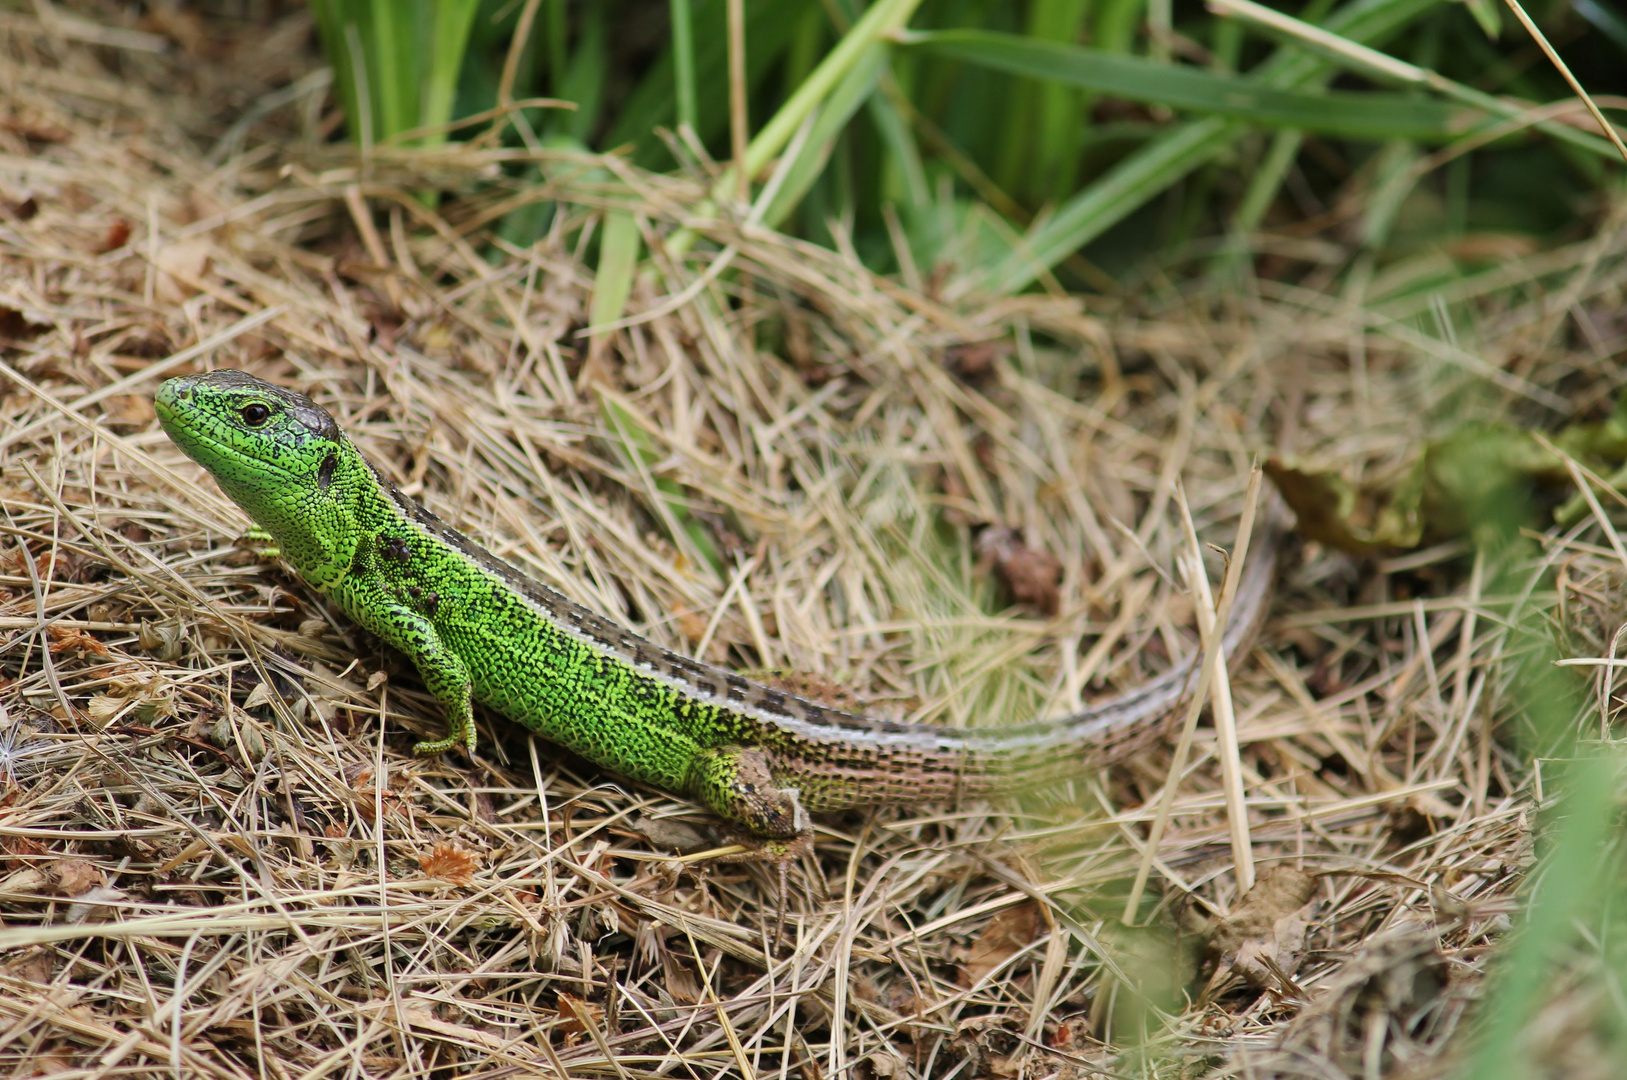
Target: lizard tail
(1009,760)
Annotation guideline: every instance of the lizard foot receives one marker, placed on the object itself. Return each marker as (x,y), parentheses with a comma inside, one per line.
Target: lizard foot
(780,854)
(260,543)
(777,851)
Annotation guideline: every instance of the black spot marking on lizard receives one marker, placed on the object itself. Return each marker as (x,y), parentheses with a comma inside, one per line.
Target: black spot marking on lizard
(432,600)
(395,549)
(324,473)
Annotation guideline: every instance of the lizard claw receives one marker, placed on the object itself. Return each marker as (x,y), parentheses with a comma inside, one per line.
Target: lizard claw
(780,854)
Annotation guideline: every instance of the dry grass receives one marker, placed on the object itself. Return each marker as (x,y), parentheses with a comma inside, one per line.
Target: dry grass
(219,859)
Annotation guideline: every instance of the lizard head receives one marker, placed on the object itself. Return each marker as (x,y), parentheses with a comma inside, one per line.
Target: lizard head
(277,454)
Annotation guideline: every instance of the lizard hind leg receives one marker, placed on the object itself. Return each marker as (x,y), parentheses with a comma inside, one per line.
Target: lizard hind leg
(736,783)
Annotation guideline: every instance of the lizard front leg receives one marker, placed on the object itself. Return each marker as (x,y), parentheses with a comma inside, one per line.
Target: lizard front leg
(443,671)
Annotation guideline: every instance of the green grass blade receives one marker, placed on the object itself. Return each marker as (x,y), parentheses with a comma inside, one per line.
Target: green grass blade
(453,21)
(1265,181)
(587,75)
(1165,161)
(391,67)
(883,18)
(619,246)
(652,102)
(857,86)
(903,156)
(1570,884)
(1376,115)
(683,61)
(330,17)
(640,452)
(1356,56)
(558,46)
(1111,199)
(1062,113)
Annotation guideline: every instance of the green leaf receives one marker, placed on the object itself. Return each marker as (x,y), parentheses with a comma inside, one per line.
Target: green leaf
(618,259)
(453,21)
(1489,14)
(1375,115)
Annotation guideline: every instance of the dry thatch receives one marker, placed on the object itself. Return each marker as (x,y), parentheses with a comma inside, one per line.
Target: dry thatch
(219,858)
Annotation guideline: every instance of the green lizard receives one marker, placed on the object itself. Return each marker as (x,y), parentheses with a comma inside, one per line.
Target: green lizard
(480,631)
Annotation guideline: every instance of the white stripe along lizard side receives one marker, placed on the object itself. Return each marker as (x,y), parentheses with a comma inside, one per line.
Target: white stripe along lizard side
(478,630)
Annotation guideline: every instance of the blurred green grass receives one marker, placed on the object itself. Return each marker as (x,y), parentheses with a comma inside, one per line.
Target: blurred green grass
(1046,130)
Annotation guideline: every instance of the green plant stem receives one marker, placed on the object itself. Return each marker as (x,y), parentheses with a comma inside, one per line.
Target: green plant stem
(878,23)
(683,61)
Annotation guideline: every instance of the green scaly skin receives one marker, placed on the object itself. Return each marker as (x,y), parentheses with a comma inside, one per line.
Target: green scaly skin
(480,631)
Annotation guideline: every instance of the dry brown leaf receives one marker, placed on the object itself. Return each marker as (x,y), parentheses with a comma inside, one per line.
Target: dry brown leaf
(423,1019)
(1007,934)
(23,884)
(450,863)
(70,639)
(132,411)
(671,834)
(1265,933)
(54,1059)
(578,1016)
(118,234)
(692,624)
(76,876)
(1034,577)
(886,1065)
(101,708)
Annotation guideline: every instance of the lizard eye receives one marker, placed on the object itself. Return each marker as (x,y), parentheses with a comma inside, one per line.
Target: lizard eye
(255,414)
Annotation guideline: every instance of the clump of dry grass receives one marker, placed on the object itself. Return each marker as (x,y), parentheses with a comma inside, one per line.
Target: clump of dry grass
(219,857)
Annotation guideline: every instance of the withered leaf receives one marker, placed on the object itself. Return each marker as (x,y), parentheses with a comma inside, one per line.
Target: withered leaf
(450,863)
(75,877)
(1265,932)
(94,904)
(578,1015)
(1360,520)
(1007,934)
(1033,577)
(70,639)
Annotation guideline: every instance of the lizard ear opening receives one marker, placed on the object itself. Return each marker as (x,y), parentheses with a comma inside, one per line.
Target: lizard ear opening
(324,472)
